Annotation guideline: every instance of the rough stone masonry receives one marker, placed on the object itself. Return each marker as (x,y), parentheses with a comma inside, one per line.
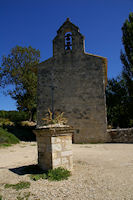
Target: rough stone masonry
(54,147)
(74,82)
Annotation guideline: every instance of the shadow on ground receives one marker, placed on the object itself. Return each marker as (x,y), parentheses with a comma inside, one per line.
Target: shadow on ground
(23,133)
(29,169)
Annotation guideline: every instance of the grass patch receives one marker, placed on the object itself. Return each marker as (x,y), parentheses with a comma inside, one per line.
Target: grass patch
(27,195)
(0,197)
(5,145)
(56,174)
(36,177)
(7,138)
(18,186)
(20,198)
(24,197)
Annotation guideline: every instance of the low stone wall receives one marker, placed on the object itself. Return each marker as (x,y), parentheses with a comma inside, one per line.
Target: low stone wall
(124,135)
(54,147)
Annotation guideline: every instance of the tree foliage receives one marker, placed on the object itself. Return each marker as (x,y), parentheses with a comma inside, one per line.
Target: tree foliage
(127,58)
(127,55)
(119,91)
(19,69)
(117,103)
(14,116)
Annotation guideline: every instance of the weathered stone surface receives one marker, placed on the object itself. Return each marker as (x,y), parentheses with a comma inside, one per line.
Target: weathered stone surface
(56,140)
(65,160)
(54,147)
(66,153)
(79,79)
(57,162)
(124,135)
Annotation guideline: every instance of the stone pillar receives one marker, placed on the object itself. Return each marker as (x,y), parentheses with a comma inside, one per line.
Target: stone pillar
(54,147)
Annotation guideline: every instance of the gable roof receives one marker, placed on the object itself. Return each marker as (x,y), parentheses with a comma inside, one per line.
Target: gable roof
(67,23)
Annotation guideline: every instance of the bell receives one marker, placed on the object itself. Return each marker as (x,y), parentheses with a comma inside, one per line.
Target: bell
(68,35)
(67,47)
(68,43)
(67,38)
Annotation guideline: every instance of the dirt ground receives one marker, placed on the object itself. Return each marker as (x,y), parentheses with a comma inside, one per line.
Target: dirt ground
(101,172)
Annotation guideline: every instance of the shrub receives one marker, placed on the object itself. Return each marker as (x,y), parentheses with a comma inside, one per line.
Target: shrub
(58,174)
(18,186)
(6,138)
(14,116)
(5,122)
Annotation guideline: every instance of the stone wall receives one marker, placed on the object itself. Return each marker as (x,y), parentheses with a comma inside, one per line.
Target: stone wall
(124,135)
(54,148)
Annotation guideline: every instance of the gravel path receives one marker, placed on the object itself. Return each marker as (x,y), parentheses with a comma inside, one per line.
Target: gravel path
(101,172)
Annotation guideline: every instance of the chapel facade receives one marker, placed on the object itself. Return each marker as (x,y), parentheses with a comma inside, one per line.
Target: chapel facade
(73,82)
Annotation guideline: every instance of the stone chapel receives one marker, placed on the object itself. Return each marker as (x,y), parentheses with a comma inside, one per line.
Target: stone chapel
(73,82)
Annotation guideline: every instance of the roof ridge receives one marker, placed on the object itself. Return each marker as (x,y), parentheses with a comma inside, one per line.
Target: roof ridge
(68,22)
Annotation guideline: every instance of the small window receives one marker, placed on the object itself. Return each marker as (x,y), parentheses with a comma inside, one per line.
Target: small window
(68,41)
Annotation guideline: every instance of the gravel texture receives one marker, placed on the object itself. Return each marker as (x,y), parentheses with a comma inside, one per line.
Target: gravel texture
(101,172)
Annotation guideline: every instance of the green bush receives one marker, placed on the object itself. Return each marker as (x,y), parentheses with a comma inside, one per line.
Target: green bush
(58,174)
(14,116)
(6,138)
(18,186)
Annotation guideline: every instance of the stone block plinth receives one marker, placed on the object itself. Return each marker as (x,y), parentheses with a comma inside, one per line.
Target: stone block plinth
(54,147)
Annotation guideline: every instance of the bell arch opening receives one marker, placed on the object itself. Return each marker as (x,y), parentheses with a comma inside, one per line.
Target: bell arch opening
(68,41)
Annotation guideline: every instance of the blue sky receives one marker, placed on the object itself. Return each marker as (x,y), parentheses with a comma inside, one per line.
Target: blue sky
(35,22)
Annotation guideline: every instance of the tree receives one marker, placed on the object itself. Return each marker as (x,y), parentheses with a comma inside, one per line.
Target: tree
(19,69)
(119,91)
(127,59)
(117,103)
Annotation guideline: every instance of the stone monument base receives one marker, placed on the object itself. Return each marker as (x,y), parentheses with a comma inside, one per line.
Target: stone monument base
(54,147)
